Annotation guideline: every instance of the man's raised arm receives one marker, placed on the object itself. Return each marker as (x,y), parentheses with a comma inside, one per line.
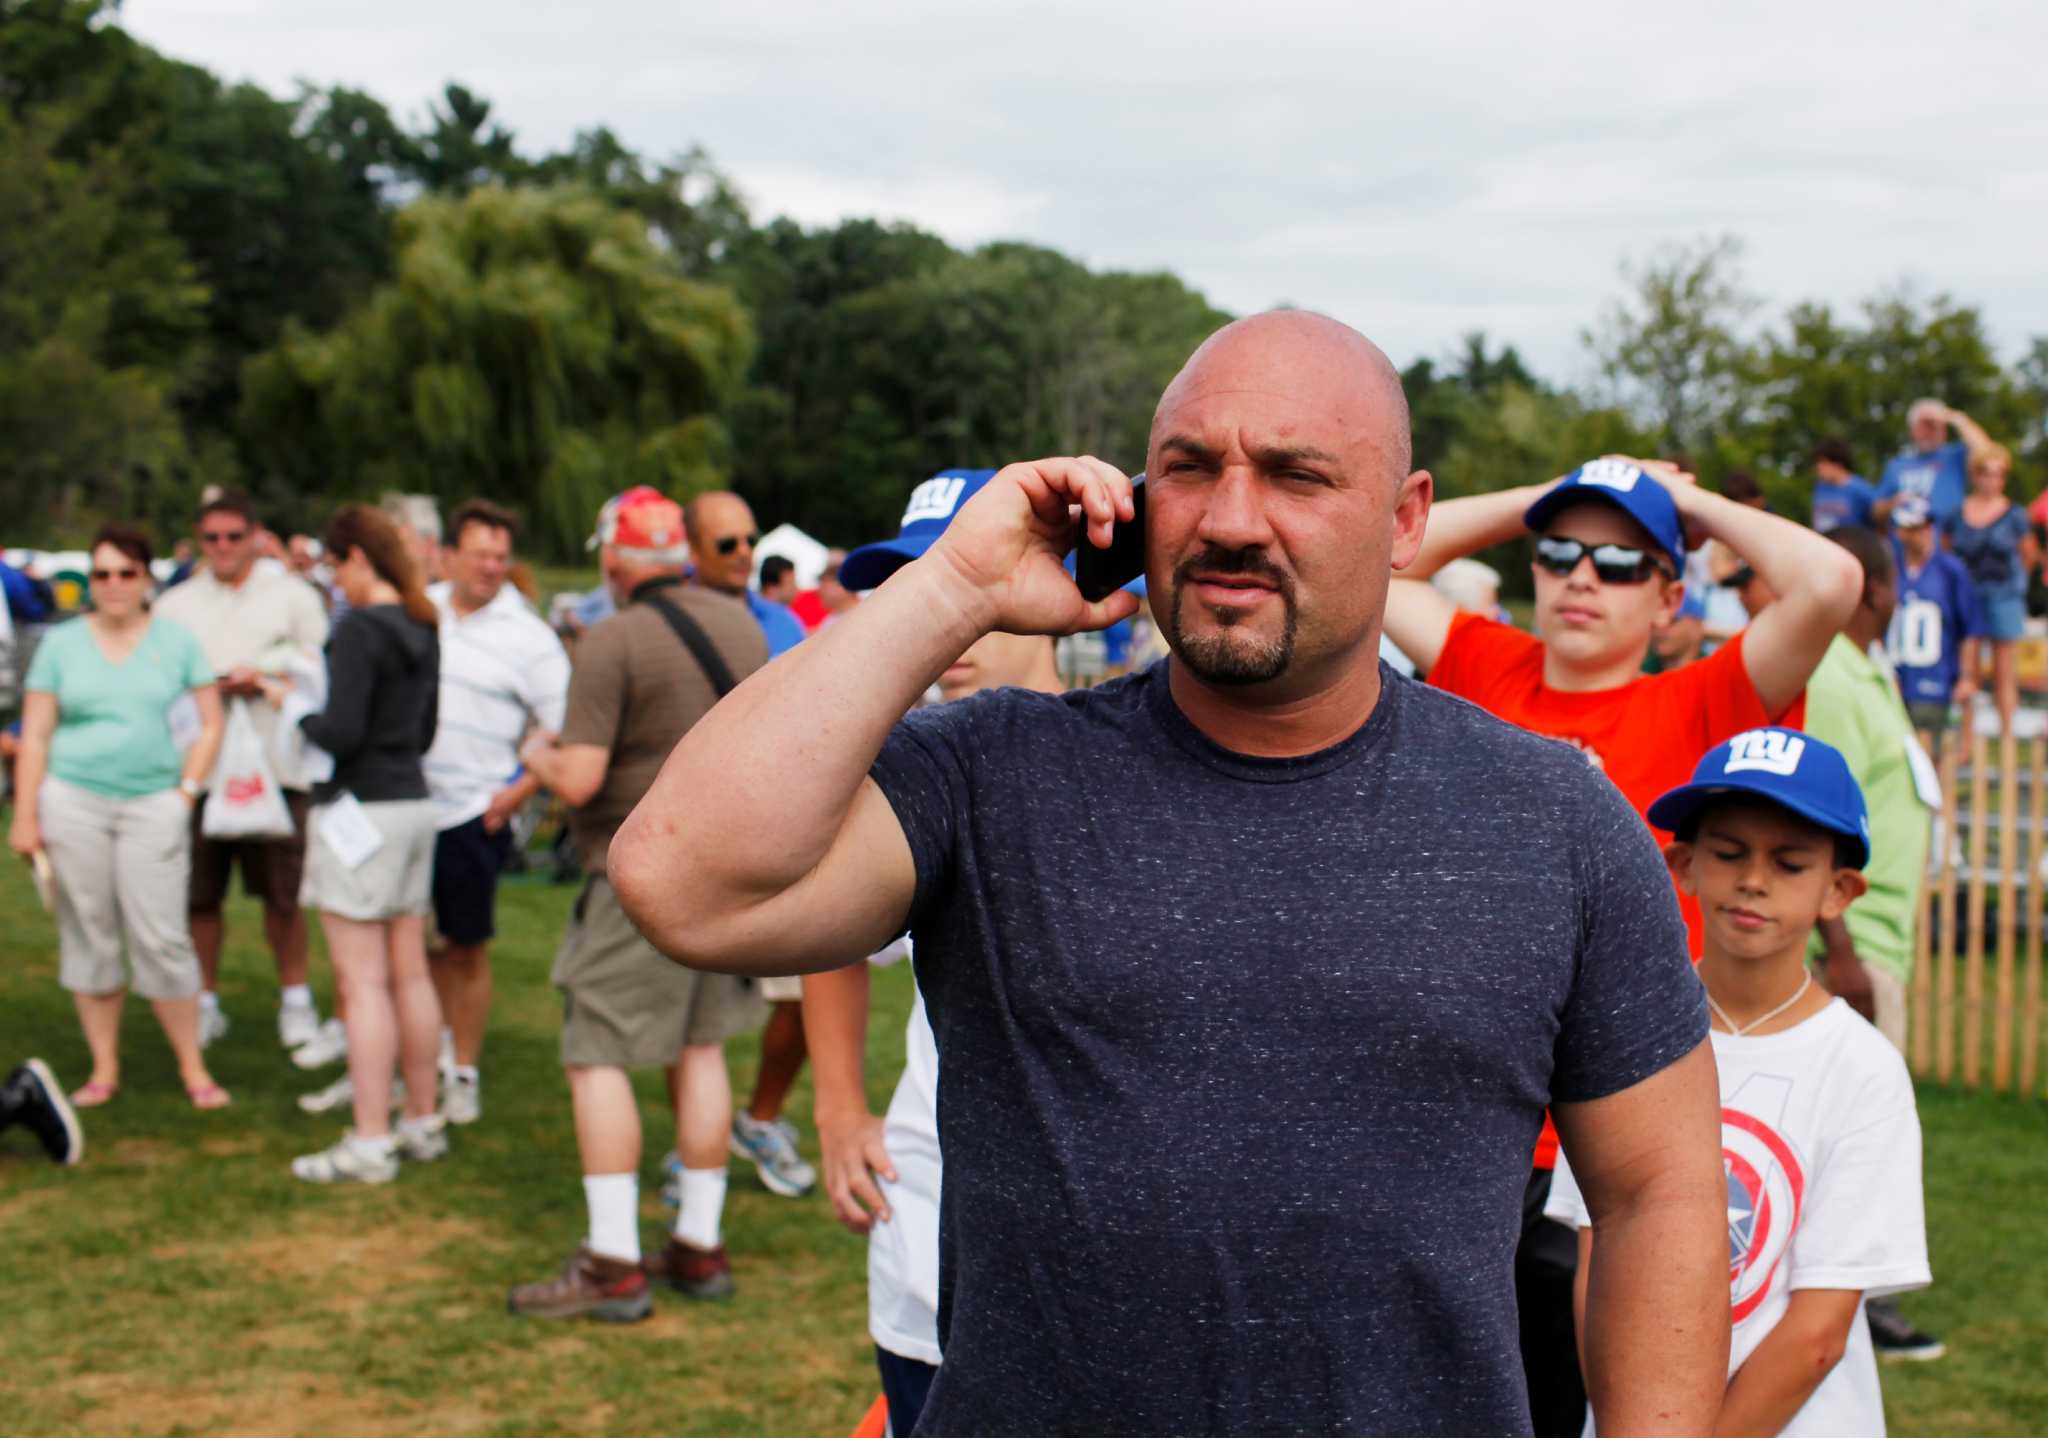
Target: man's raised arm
(831,879)
(1654,1334)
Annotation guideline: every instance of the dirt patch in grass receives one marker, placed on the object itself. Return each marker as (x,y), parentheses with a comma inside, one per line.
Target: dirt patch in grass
(335,1253)
(290,1405)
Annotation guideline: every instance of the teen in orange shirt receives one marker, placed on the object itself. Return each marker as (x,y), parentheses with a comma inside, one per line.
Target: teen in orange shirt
(1612,539)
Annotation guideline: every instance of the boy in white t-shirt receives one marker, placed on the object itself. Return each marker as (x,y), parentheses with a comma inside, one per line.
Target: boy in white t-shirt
(1819,1135)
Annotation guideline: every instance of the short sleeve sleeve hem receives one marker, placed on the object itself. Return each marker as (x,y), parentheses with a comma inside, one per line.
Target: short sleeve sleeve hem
(1872,1281)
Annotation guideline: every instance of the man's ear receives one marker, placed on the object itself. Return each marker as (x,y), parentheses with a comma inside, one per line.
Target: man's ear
(1678,859)
(1411,516)
(1849,885)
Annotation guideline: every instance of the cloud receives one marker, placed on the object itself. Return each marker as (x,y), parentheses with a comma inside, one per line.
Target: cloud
(1421,171)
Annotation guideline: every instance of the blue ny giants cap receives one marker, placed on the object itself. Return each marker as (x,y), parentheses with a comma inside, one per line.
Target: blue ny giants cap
(1792,770)
(932,507)
(1629,489)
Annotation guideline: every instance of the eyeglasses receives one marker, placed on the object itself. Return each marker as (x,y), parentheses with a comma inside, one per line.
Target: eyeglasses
(733,541)
(222,536)
(101,576)
(1612,563)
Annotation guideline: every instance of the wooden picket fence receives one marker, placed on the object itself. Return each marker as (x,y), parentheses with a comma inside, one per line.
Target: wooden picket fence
(1975,1011)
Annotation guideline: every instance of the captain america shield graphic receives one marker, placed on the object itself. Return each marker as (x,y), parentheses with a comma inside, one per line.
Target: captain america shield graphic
(1766,1189)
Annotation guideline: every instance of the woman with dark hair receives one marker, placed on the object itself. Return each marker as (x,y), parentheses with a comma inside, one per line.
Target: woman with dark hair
(104,798)
(370,846)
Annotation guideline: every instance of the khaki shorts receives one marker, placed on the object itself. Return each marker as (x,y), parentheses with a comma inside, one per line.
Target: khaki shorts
(393,883)
(625,1006)
(783,990)
(121,867)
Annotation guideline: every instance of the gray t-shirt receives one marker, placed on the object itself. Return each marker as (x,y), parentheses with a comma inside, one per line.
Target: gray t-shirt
(1242,1060)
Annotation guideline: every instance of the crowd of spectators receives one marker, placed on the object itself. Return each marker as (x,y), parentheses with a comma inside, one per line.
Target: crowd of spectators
(364,724)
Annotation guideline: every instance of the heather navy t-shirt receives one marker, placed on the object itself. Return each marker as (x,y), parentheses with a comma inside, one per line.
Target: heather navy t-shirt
(1242,1060)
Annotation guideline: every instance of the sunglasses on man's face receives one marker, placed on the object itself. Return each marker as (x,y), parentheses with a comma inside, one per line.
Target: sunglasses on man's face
(1612,563)
(222,536)
(733,541)
(101,576)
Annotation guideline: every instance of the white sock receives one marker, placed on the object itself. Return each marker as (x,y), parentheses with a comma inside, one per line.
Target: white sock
(703,1206)
(426,1123)
(295,996)
(614,1200)
(447,1048)
(378,1147)
(466,1073)
(209,1000)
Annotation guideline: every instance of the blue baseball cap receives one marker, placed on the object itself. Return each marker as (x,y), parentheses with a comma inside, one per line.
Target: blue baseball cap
(1911,512)
(932,507)
(1629,489)
(1792,770)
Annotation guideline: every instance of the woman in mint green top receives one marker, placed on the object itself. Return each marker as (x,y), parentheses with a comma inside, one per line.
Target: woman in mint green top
(113,732)
(103,804)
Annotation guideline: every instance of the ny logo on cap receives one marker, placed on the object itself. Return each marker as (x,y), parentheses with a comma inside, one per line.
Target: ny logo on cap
(936,498)
(1610,474)
(1765,749)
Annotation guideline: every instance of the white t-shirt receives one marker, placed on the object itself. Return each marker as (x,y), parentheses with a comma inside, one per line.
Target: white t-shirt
(268,621)
(903,1254)
(1820,1143)
(502,670)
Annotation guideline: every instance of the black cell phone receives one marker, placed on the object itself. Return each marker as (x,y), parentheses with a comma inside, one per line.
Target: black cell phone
(1102,572)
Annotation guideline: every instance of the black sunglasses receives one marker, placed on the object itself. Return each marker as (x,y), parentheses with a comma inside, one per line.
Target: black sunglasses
(733,541)
(1612,563)
(100,576)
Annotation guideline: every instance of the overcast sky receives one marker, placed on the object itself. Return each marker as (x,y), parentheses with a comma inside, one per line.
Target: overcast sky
(1420,173)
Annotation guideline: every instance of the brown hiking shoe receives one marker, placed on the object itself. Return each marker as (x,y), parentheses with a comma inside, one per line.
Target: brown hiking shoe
(692,1272)
(589,1285)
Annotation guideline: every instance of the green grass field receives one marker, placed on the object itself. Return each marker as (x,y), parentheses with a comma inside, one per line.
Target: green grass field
(180,1281)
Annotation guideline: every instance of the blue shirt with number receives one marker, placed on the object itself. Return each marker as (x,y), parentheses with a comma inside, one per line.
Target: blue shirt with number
(1937,611)
(1940,476)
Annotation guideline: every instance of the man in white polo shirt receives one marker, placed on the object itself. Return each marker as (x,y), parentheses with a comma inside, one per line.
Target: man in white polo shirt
(503,672)
(252,619)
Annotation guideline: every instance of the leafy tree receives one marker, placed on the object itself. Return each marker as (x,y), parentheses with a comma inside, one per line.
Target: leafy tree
(534,346)
(696,215)
(1671,351)
(98,311)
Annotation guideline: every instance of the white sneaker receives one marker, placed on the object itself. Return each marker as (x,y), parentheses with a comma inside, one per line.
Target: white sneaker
(328,1044)
(349,1161)
(461,1099)
(297,1025)
(424,1141)
(213,1025)
(338,1094)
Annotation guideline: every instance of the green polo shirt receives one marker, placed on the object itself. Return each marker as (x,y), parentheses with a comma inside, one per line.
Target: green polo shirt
(1853,703)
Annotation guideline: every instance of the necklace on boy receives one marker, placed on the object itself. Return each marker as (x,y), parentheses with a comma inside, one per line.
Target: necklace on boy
(1738,1031)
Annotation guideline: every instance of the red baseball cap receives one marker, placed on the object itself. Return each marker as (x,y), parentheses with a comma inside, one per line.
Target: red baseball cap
(642,519)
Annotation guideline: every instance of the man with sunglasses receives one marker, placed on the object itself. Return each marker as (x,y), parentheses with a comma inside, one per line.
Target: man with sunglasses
(252,619)
(722,539)
(1611,541)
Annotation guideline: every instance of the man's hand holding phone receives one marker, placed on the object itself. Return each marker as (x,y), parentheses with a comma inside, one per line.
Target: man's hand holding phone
(1003,556)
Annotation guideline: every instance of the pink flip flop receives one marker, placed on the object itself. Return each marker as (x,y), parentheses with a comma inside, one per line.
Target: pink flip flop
(209,1096)
(94,1094)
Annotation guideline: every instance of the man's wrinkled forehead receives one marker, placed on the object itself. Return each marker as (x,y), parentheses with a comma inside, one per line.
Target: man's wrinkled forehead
(1291,381)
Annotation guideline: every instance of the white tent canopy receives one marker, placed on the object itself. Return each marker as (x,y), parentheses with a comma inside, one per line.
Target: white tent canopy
(798,548)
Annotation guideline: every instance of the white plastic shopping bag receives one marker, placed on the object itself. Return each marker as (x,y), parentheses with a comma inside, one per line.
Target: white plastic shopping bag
(245,802)
(298,760)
